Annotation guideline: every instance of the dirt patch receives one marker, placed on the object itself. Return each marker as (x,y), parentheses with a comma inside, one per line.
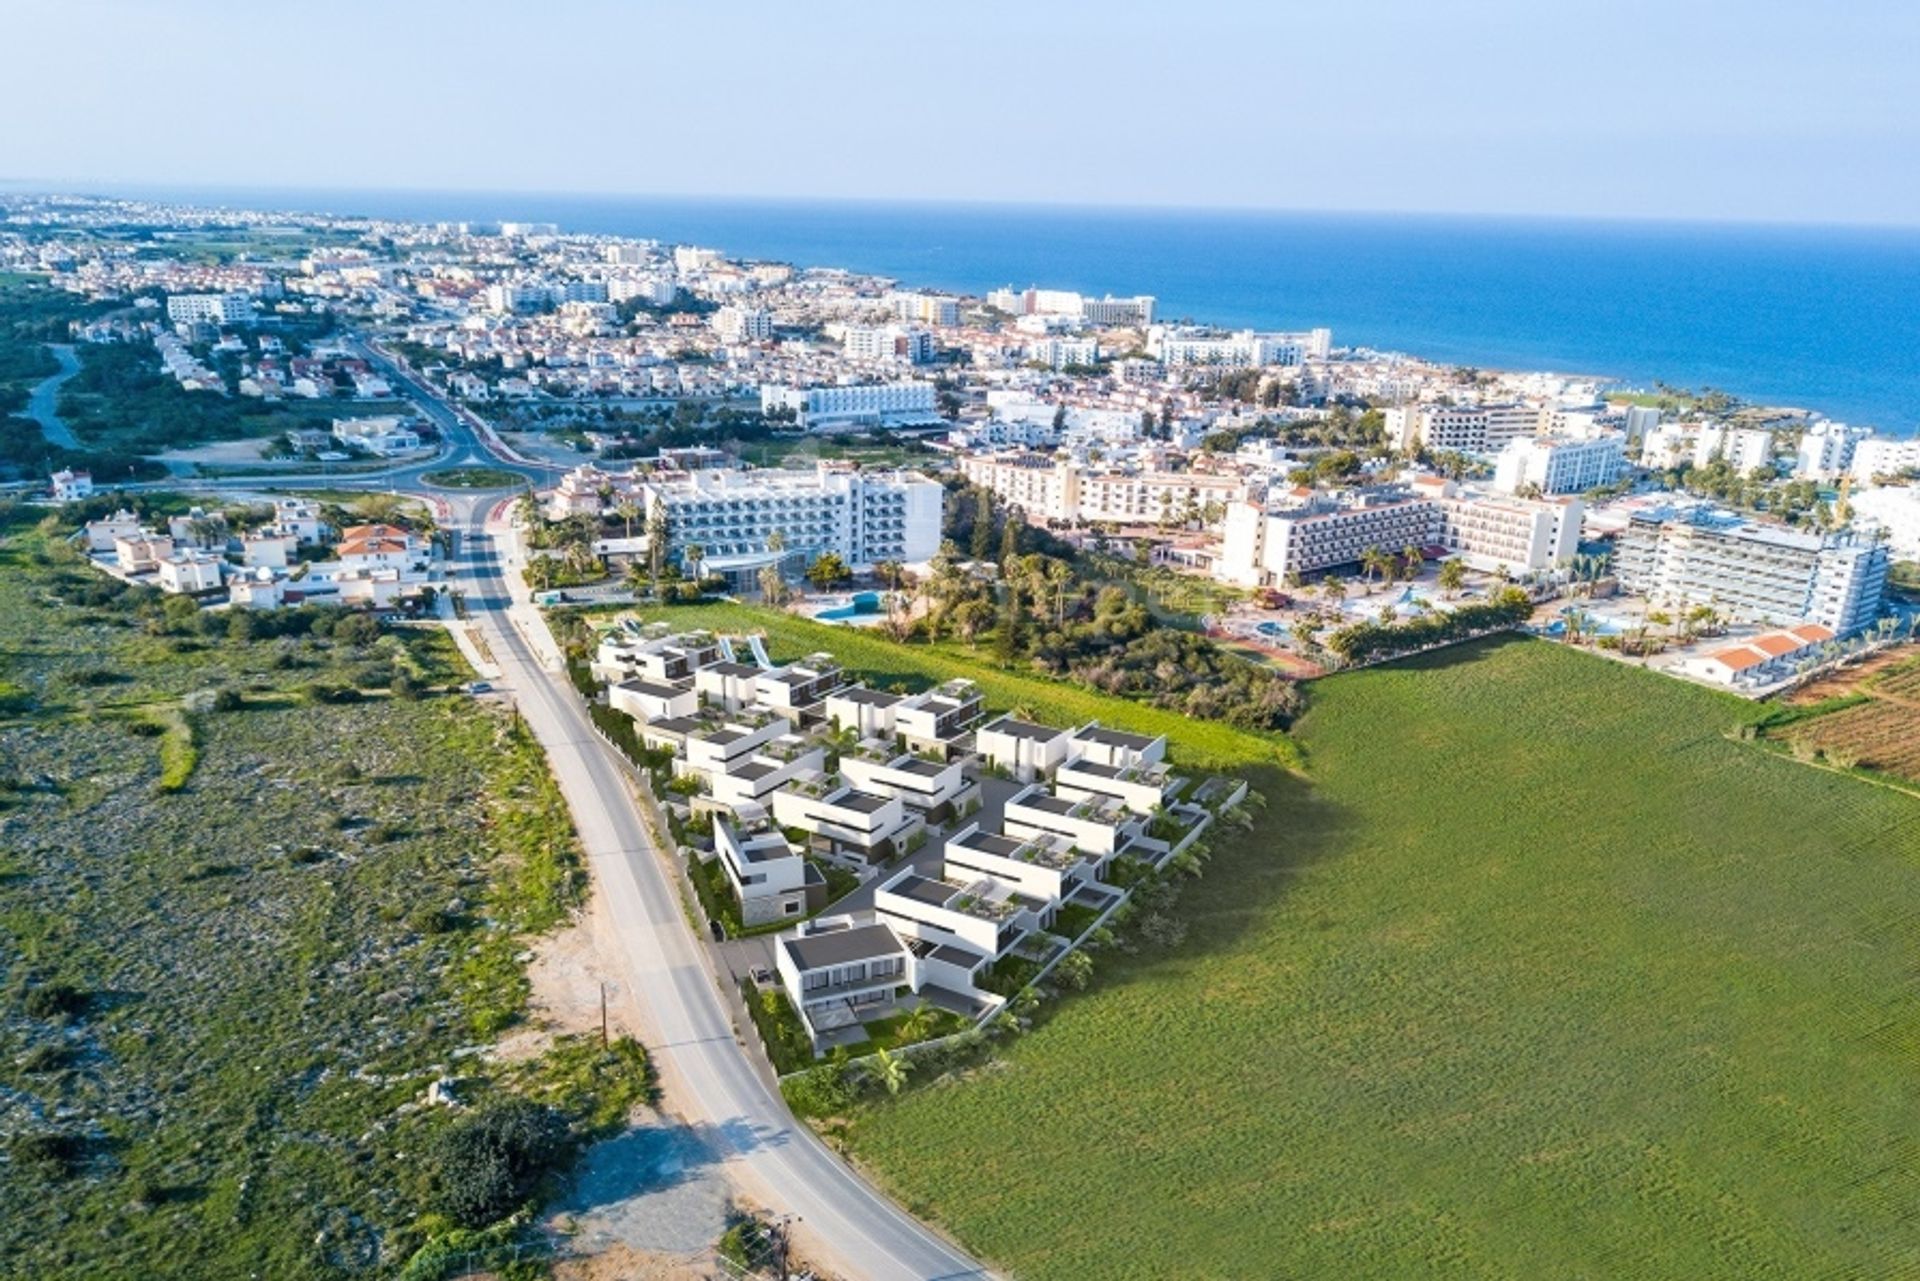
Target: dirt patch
(1842,682)
(226,451)
(569,971)
(623,1263)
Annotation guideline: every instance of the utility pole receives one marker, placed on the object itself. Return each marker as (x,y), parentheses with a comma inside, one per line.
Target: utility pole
(603,1014)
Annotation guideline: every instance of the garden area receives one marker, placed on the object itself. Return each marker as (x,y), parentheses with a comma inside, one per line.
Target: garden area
(1548,974)
(264,879)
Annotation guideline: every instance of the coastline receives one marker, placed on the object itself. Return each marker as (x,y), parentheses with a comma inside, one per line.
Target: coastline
(1776,314)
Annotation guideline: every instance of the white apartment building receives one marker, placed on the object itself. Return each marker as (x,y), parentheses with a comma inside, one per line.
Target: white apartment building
(924,309)
(1185,345)
(743,324)
(1879,456)
(70,486)
(1136,311)
(233,308)
(854,406)
(1515,533)
(1060,353)
(1640,420)
(1063,491)
(654,291)
(863,516)
(190,571)
(910,344)
(1755,572)
(1262,547)
(918,783)
(842,822)
(1892,511)
(384,436)
(1559,466)
(1826,450)
(1666,446)
(1476,429)
(1023,749)
(1742,448)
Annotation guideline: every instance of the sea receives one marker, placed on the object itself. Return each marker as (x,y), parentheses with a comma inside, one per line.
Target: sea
(1818,317)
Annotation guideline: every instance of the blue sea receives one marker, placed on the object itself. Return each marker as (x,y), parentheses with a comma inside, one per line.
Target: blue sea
(1827,318)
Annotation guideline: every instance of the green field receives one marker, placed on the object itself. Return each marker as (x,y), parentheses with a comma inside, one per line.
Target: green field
(880,662)
(256,894)
(1548,977)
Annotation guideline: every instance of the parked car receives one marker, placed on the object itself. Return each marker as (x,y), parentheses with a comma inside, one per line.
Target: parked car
(718,932)
(479,687)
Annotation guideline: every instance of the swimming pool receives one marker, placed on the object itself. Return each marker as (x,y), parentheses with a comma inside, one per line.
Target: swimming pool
(857,604)
(1272,629)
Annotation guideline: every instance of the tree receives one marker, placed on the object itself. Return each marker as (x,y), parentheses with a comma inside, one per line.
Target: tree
(693,554)
(1059,575)
(487,1165)
(773,588)
(982,542)
(919,1023)
(1412,561)
(891,1069)
(777,542)
(1453,575)
(972,617)
(828,571)
(626,509)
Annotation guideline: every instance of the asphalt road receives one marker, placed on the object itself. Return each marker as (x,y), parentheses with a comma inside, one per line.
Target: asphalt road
(711,1083)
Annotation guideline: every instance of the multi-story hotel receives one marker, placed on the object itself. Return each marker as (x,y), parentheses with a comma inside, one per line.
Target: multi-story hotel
(1754,572)
(862,516)
(857,405)
(1556,466)
(1060,491)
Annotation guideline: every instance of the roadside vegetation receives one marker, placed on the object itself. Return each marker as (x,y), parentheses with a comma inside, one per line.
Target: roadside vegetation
(267,883)
(1873,728)
(1547,975)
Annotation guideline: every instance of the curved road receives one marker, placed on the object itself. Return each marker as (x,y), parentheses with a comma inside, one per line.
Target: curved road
(44,397)
(711,1080)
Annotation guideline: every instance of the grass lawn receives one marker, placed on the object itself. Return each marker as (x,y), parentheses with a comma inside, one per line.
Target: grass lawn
(1547,976)
(883,663)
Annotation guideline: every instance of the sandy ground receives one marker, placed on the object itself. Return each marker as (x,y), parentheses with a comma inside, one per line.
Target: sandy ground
(1834,684)
(225,452)
(623,1264)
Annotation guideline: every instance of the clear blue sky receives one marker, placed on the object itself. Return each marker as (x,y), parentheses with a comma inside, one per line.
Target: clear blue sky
(1657,108)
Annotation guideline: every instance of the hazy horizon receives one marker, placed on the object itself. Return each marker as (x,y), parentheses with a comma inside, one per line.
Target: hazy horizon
(1629,109)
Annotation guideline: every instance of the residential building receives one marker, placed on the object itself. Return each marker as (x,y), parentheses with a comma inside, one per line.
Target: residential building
(1040,867)
(842,822)
(1556,465)
(232,308)
(937,720)
(1022,749)
(141,551)
(1268,547)
(889,342)
(380,546)
(1754,572)
(737,324)
(1517,534)
(1061,491)
(918,783)
(1096,824)
(1892,512)
(1826,449)
(770,878)
(102,535)
(838,973)
(71,486)
(1760,660)
(383,435)
(1476,429)
(980,917)
(190,571)
(1742,448)
(646,700)
(1877,456)
(924,309)
(268,548)
(1187,345)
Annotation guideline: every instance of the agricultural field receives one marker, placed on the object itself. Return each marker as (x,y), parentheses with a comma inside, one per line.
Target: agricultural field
(258,892)
(1868,719)
(1547,974)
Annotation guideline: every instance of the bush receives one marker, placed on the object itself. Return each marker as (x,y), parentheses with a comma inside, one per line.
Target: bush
(52,1155)
(788,1045)
(485,1166)
(53,1000)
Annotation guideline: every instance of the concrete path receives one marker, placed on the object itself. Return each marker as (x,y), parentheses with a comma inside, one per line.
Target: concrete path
(45,395)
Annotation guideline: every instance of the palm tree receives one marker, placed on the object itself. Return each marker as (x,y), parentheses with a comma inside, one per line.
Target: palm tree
(1333,588)
(773,588)
(693,554)
(1453,575)
(1412,559)
(1059,574)
(919,1023)
(626,509)
(892,1070)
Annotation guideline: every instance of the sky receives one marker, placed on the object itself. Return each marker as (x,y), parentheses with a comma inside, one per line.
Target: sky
(1631,108)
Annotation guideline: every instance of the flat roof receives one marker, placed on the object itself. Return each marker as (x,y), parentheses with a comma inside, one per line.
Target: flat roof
(678,725)
(652,689)
(732,669)
(859,802)
(990,843)
(870,697)
(915,765)
(1026,729)
(1116,737)
(923,890)
(842,947)
(1050,804)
